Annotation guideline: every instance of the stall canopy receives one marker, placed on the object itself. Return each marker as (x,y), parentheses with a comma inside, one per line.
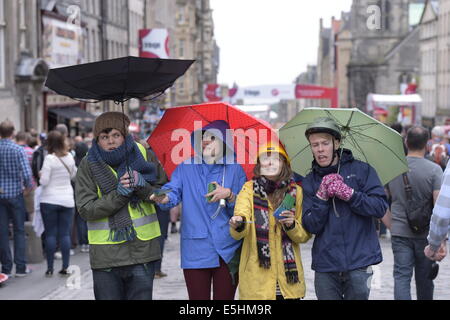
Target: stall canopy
(410,106)
(74,113)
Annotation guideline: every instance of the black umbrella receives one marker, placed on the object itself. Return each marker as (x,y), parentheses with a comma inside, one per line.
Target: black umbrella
(117,79)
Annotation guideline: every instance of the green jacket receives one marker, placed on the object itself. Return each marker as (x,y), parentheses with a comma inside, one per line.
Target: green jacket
(92,208)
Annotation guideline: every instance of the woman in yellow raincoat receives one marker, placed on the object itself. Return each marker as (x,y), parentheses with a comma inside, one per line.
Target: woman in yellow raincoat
(267,216)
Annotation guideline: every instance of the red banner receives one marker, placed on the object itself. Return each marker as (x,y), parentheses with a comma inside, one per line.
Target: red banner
(304,91)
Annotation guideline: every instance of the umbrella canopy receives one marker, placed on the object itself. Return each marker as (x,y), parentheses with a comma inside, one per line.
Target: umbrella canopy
(369,140)
(117,79)
(248,133)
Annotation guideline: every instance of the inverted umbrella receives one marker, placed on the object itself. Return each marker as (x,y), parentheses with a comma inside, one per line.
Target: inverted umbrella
(117,79)
(247,133)
(369,140)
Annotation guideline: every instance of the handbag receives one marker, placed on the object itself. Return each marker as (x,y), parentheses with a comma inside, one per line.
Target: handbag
(72,180)
(418,212)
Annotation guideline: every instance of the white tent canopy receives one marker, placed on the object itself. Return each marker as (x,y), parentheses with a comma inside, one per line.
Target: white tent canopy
(384,101)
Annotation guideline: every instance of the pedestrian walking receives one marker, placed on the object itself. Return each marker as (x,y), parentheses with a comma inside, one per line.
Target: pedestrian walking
(113,184)
(15,182)
(22,139)
(342,195)
(206,244)
(270,265)
(408,243)
(57,200)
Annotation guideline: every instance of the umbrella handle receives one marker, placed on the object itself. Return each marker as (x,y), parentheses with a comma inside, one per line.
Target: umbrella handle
(338,170)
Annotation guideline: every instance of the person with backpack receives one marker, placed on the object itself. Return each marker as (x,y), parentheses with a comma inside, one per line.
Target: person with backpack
(408,237)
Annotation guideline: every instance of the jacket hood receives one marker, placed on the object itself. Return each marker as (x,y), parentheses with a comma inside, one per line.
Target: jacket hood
(347,156)
(219,129)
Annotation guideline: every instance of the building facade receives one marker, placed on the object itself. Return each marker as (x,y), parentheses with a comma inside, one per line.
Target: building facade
(443,63)
(385,49)
(428,55)
(22,71)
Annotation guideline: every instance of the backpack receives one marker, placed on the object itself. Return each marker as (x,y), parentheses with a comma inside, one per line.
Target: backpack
(37,162)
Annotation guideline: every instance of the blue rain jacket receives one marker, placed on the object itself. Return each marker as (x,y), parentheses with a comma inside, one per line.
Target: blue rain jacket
(204,238)
(350,241)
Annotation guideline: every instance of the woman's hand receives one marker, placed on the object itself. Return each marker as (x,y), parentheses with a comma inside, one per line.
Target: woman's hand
(236,221)
(288,218)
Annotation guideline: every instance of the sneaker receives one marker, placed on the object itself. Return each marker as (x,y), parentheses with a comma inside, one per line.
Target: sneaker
(72,252)
(160,274)
(84,248)
(49,273)
(173,229)
(23,274)
(58,255)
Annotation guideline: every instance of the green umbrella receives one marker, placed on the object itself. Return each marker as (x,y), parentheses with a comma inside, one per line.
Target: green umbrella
(369,140)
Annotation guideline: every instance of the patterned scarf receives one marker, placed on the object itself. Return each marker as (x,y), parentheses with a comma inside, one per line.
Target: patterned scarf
(99,160)
(262,187)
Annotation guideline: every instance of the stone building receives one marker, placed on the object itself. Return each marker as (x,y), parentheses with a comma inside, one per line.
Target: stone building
(428,66)
(385,51)
(22,71)
(443,63)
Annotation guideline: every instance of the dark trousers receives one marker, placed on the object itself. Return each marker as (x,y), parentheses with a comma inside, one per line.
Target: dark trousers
(133,282)
(198,283)
(13,209)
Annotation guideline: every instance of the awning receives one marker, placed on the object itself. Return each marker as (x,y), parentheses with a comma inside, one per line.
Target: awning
(73,113)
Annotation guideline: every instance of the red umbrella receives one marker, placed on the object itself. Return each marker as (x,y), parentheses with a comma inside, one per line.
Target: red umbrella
(171,139)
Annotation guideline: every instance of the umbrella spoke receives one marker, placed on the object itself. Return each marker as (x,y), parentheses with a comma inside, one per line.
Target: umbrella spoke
(358,147)
(298,153)
(379,141)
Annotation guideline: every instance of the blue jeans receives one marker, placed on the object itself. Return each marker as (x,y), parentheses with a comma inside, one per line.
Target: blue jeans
(57,223)
(350,285)
(163,219)
(409,256)
(124,283)
(13,209)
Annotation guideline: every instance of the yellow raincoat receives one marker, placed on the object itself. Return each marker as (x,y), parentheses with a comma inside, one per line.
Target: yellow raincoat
(255,282)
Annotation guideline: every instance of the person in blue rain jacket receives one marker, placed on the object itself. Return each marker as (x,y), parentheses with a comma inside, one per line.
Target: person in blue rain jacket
(342,195)
(206,244)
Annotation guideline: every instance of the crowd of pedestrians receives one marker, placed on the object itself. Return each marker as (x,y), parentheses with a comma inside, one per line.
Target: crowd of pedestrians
(108,194)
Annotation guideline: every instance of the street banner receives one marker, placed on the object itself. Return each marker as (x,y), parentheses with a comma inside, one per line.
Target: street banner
(154,43)
(306,91)
(62,43)
(271,93)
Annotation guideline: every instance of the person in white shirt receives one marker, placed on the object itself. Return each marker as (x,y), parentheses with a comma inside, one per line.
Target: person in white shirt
(57,202)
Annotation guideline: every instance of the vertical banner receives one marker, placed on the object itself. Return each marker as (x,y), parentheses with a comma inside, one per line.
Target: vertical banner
(154,43)
(62,43)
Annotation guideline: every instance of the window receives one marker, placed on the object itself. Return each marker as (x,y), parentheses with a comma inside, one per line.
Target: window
(181,49)
(2,43)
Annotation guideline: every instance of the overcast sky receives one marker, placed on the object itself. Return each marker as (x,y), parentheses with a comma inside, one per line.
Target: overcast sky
(269,41)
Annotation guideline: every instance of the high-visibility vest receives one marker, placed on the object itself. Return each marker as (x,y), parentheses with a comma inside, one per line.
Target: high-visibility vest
(146,226)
